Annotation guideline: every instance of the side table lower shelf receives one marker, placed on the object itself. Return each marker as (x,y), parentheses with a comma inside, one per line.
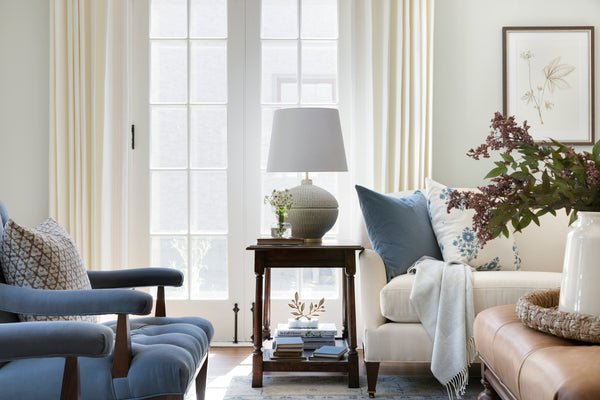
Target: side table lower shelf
(305,365)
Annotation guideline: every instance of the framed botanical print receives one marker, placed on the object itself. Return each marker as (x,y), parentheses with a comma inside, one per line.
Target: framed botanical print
(548,80)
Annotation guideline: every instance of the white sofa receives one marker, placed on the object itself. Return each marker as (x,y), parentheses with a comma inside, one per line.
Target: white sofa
(391,329)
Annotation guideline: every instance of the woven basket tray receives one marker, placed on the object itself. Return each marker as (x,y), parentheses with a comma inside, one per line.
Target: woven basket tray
(539,310)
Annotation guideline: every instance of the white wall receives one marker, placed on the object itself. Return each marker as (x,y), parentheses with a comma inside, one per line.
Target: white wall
(468,72)
(24,115)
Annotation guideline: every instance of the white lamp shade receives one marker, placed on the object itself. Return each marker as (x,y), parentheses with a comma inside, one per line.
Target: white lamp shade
(306,140)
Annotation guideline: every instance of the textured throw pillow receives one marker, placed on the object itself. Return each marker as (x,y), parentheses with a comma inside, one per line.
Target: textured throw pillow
(399,229)
(44,257)
(457,239)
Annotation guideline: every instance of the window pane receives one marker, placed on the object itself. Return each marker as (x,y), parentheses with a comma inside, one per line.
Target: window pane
(319,72)
(168,19)
(208,18)
(279,72)
(208,137)
(171,252)
(284,283)
(209,202)
(319,19)
(168,71)
(208,267)
(320,282)
(279,19)
(208,75)
(168,137)
(169,202)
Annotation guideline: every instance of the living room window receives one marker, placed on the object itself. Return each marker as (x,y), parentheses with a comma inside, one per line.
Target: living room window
(208,75)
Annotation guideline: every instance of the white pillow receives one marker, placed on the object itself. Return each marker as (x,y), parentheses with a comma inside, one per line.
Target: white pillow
(457,239)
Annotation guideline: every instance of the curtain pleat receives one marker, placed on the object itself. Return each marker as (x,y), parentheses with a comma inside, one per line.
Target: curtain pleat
(86,167)
(392,51)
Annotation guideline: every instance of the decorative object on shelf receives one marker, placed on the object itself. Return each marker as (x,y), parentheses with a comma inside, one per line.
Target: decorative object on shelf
(281,201)
(324,330)
(305,318)
(538,311)
(548,80)
(541,178)
(308,140)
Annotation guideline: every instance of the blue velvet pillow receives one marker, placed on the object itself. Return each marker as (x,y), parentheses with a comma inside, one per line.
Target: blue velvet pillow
(399,229)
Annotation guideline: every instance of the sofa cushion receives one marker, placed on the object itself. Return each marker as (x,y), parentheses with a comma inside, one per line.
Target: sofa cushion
(44,257)
(398,228)
(166,354)
(489,289)
(457,239)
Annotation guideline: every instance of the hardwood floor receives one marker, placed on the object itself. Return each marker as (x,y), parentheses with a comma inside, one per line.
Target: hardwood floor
(223,360)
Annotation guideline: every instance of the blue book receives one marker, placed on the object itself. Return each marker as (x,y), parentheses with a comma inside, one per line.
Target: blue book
(330,351)
(292,342)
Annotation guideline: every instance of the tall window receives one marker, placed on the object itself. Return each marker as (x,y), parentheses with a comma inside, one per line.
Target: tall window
(208,75)
(299,68)
(188,143)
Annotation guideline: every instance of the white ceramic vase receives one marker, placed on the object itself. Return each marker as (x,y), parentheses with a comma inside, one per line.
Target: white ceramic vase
(579,289)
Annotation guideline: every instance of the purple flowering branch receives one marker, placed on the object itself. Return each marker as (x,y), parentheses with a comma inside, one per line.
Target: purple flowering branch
(531,180)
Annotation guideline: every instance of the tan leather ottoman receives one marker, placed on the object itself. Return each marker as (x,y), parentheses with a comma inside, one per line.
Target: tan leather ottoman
(522,363)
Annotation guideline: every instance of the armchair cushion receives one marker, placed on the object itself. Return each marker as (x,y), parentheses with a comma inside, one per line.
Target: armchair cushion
(43,258)
(399,229)
(166,354)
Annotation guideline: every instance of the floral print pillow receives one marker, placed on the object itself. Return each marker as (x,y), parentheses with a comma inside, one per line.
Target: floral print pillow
(456,237)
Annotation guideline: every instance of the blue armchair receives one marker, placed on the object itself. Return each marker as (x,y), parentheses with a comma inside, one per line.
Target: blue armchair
(142,358)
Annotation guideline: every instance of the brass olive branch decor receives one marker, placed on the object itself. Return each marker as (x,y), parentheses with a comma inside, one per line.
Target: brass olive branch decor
(300,306)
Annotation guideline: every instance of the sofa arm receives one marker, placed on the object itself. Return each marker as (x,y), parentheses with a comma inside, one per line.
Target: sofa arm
(54,339)
(372,281)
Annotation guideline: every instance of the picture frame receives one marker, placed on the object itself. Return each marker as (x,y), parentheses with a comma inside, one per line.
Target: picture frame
(548,81)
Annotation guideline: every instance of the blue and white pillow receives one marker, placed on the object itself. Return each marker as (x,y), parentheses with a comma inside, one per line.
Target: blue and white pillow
(456,237)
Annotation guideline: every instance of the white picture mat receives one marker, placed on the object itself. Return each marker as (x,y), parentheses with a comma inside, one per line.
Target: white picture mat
(569,119)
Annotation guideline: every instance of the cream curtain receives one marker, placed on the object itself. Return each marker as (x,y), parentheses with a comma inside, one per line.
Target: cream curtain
(391,61)
(88,125)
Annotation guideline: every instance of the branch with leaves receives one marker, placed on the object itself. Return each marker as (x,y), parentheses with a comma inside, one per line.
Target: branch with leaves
(314,310)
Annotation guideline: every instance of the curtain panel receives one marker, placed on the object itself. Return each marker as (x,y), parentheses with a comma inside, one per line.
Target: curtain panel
(391,62)
(88,126)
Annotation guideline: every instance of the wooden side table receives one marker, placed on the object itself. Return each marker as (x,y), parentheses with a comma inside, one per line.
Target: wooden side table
(303,256)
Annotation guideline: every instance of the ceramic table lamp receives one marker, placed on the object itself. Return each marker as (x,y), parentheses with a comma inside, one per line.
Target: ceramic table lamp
(308,140)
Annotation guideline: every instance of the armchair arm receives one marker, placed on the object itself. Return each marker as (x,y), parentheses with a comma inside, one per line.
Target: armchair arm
(372,280)
(139,277)
(22,300)
(54,339)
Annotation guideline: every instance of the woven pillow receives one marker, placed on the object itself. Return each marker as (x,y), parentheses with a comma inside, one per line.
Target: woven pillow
(44,257)
(457,239)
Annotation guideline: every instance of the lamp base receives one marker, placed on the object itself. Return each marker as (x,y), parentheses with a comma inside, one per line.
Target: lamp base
(313,212)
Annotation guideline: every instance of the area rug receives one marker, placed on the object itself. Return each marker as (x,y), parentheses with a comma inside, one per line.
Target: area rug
(334,388)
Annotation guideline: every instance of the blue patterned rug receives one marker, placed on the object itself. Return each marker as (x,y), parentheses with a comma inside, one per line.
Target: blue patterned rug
(306,387)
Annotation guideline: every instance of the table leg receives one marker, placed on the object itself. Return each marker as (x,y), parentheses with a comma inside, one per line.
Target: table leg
(344,306)
(351,311)
(267,301)
(257,354)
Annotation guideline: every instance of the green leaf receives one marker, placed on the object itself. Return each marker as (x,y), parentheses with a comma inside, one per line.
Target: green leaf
(507,157)
(495,172)
(573,218)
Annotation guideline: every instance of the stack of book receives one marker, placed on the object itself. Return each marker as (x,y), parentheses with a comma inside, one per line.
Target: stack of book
(312,338)
(288,348)
(329,353)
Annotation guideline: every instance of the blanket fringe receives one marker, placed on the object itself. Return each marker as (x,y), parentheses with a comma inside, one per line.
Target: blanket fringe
(457,386)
